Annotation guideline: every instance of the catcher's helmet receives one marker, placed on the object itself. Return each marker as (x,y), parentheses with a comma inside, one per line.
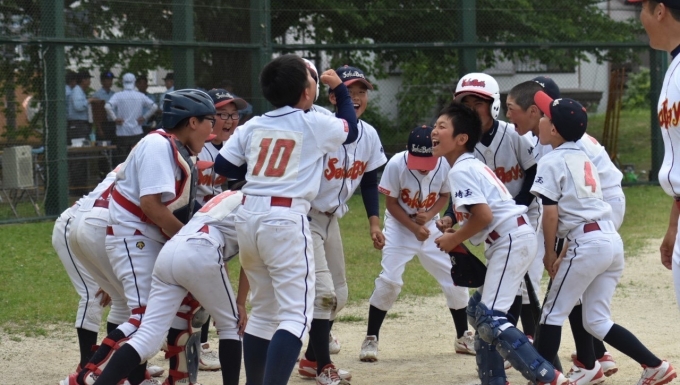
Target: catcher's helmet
(181,104)
(482,85)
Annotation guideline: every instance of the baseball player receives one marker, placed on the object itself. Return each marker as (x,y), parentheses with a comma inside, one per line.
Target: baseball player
(227,106)
(199,249)
(151,199)
(416,189)
(90,307)
(570,189)
(522,108)
(284,152)
(352,165)
(501,148)
(661,19)
(487,213)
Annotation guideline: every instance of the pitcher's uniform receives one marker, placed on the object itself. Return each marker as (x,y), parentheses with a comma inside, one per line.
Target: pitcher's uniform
(413,191)
(284,152)
(342,174)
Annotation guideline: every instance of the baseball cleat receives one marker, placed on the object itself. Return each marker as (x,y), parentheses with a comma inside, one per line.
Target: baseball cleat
(559,379)
(466,343)
(333,344)
(607,362)
(660,375)
(307,368)
(578,375)
(329,376)
(369,349)
(209,360)
(155,371)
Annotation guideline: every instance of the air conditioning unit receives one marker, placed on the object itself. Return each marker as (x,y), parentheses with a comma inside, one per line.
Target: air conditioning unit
(17,167)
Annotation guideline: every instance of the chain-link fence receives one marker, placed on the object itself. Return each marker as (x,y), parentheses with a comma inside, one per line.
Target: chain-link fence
(61,60)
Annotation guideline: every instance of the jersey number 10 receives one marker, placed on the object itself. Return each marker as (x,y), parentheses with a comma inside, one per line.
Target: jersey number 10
(277,161)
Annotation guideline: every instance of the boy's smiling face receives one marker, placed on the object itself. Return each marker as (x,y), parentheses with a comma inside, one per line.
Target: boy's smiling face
(359,94)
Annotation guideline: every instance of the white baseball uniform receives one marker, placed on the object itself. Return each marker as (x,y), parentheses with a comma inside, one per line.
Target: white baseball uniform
(510,242)
(131,243)
(669,120)
(89,314)
(273,230)
(209,182)
(342,174)
(87,239)
(594,261)
(193,262)
(413,191)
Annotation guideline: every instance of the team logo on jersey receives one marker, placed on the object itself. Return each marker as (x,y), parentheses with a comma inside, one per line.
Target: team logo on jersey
(461,217)
(669,116)
(462,194)
(357,169)
(474,83)
(140,245)
(539,180)
(384,190)
(207,179)
(514,173)
(415,202)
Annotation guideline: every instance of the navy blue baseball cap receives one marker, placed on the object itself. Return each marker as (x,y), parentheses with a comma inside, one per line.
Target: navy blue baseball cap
(567,115)
(675,4)
(350,75)
(106,75)
(420,149)
(549,86)
(222,97)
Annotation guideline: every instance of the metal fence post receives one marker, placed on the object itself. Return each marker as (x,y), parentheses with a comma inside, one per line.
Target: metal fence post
(261,34)
(468,33)
(183,30)
(658,64)
(52,25)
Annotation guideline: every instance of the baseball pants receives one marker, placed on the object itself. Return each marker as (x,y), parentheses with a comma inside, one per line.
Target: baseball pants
(508,258)
(276,253)
(400,247)
(590,270)
(132,258)
(187,264)
(89,314)
(88,238)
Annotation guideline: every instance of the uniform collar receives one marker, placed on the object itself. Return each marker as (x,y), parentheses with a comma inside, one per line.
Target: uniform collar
(466,156)
(567,146)
(675,52)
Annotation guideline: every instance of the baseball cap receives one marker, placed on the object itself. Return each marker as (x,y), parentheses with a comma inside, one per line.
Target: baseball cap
(106,75)
(128,81)
(567,115)
(549,86)
(420,149)
(222,97)
(350,75)
(83,74)
(169,76)
(675,4)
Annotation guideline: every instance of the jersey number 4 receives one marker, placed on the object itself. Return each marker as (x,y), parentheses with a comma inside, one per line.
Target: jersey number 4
(277,161)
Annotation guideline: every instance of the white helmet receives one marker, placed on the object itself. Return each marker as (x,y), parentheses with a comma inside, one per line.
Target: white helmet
(482,85)
(315,75)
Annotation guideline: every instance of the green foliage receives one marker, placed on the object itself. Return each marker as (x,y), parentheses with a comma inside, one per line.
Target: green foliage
(638,90)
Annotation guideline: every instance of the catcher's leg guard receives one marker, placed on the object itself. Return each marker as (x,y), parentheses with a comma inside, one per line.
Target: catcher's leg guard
(493,327)
(88,375)
(472,307)
(184,346)
(490,367)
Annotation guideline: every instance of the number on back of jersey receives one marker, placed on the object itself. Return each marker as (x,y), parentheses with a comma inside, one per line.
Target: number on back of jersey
(274,154)
(584,174)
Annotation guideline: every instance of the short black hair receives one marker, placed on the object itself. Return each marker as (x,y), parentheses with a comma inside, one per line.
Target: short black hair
(283,80)
(674,12)
(465,121)
(524,92)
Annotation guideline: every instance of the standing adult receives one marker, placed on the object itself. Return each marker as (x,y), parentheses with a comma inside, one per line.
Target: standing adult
(105,93)
(78,103)
(169,80)
(661,19)
(105,127)
(71,77)
(125,108)
(142,84)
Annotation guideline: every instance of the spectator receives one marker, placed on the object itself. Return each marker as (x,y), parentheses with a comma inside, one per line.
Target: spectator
(142,85)
(169,80)
(78,103)
(105,93)
(126,108)
(245,113)
(106,127)
(71,78)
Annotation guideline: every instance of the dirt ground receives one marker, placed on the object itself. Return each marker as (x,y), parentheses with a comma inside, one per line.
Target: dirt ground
(416,344)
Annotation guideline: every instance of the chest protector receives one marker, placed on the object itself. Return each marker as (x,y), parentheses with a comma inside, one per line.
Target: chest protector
(182,206)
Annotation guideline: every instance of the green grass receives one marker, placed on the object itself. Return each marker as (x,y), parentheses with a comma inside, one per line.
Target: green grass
(35,290)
